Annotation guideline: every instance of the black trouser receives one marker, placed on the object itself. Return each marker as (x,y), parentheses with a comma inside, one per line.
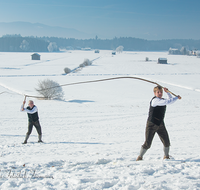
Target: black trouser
(151,129)
(37,126)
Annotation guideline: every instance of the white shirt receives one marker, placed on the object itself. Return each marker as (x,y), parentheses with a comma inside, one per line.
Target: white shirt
(29,111)
(162,102)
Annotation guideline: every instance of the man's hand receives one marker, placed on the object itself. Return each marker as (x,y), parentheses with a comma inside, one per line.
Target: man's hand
(166,89)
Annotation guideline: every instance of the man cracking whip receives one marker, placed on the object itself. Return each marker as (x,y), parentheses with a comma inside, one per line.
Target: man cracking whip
(33,120)
(155,121)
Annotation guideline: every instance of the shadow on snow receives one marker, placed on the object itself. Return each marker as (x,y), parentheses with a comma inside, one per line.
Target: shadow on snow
(79,101)
(92,143)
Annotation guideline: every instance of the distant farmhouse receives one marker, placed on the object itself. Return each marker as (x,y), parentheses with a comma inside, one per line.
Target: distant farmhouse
(162,60)
(174,51)
(86,49)
(35,56)
(194,52)
(183,51)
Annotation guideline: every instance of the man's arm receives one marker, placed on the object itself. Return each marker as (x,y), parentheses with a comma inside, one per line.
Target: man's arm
(169,94)
(22,107)
(27,110)
(162,102)
(31,111)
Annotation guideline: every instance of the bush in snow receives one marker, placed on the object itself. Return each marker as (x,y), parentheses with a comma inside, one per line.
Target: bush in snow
(82,65)
(120,49)
(52,47)
(67,70)
(86,62)
(50,89)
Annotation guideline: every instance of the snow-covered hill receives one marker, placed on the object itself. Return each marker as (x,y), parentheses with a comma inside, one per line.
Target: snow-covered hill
(93,137)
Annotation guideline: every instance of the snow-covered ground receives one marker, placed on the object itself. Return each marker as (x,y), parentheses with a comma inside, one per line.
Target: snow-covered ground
(93,137)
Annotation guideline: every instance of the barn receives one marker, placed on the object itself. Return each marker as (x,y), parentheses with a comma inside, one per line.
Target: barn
(35,56)
(162,60)
(174,51)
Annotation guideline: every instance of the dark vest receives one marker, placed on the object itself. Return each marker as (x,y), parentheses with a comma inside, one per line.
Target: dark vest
(32,117)
(156,114)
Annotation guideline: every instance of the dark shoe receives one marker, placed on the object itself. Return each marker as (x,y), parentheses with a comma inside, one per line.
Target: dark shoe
(166,157)
(139,158)
(26,138)
(40,138)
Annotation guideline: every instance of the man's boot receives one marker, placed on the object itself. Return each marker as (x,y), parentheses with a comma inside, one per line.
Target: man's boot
(142,152)
(26,138)
(40,138)
(166,153)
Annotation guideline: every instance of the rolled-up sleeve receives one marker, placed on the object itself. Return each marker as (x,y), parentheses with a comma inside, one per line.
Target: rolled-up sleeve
(162,102)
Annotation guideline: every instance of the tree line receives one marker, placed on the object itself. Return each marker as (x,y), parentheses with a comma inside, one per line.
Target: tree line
(17,43)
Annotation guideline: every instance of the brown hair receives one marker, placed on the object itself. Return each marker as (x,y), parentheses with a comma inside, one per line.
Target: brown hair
(157,88)
(31,101)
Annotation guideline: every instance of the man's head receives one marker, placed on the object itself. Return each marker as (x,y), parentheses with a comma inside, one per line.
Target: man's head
(30,103)
(158,91)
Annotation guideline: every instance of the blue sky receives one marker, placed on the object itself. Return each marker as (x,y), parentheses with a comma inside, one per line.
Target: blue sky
(148,19)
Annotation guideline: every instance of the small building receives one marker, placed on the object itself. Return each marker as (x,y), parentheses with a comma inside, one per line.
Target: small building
(96,51)
(113,53)
(162,60)
(35,56)
(86,49)
(194,52)
(174,51)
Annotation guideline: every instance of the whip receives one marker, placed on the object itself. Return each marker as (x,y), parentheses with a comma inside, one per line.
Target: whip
(100,80)
(92,81)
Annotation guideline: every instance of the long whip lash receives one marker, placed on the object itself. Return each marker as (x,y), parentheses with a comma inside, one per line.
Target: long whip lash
(2,92)
(100,80)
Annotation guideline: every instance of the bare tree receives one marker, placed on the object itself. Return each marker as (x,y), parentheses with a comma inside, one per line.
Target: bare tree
(183,50)
(120,49)
(24,45)
(50,90)
(52,47)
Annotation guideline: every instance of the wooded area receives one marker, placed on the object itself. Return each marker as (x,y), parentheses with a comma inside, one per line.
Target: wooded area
(17,43)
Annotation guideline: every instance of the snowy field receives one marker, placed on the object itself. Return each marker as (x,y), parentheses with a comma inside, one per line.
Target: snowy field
(93,137)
